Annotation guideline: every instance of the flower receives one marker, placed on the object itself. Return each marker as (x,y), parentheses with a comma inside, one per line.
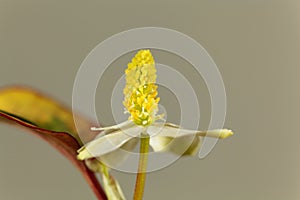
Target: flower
(140,91)
(141,101)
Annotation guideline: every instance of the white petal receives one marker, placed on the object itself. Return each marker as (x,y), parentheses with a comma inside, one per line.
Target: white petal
(122,125)
(186,145)
(219,133)
(171,130)
(108,143)
(114,158)
(170,138)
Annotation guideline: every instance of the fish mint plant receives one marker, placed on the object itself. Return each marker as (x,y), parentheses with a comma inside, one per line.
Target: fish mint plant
(143,125)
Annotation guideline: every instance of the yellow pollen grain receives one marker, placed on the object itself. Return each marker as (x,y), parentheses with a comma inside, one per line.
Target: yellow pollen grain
(140,91)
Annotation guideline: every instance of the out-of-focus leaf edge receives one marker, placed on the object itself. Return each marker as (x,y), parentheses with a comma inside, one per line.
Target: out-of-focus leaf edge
(65,144)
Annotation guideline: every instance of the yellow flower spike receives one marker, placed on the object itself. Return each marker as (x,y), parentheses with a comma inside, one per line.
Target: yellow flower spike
(140,91)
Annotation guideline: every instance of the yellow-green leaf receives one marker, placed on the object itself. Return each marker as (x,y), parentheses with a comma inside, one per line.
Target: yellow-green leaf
(42,111)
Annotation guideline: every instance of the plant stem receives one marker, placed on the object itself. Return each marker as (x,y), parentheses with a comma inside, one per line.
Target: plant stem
(141,175)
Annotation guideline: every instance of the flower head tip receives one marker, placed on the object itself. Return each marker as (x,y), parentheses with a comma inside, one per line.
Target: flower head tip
(140,91)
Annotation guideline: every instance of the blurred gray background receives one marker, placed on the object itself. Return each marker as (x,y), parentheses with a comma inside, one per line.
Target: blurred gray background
(256,46)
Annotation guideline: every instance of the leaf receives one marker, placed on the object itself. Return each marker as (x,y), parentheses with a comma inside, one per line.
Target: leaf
(50,121)
(42,111)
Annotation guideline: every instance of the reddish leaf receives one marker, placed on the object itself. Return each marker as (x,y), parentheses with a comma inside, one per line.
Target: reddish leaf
(15,109)
(43,111)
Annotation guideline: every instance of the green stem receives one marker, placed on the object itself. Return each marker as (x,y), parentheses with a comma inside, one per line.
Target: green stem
(141,175)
